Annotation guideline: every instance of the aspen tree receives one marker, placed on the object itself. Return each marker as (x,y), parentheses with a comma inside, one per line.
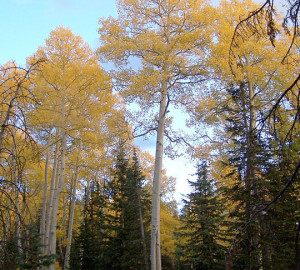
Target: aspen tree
(15,94)
(44,203)
(71,86)
(71,214)
(16,142)
(169,39)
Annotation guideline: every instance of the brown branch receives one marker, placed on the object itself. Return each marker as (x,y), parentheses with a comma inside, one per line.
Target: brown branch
(241,28)
(281,97)
(287,185)
(145,133)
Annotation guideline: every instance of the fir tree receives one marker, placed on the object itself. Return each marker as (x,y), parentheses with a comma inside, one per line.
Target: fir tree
(115,230)
(200,245)
(130,204)
(259,234)
(89,250)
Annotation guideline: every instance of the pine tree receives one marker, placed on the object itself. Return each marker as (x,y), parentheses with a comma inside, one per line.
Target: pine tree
(200,245)
(90,245)
(258,233)
(130,204)
(115,230)
(139,202)
(247,154)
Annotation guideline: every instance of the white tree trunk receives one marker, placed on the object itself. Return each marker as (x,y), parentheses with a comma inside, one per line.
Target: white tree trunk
(71,215)
(61,182)
(57,191)
(50,200)
(142,228)
(44,205)
(155,218)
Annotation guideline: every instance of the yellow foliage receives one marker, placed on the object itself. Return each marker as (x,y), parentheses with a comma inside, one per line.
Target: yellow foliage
(169,39)
(255,60)
(73,90)
(57,267)
(169,225)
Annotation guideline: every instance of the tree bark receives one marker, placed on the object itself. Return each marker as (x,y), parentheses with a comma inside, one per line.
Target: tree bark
(53,184)
(57,191)
(71,215)
(59,186)
(255,253)
(155,217)
(44,205)
(142,227)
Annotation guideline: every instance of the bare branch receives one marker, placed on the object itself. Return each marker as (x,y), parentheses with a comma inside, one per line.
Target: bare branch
(145,133)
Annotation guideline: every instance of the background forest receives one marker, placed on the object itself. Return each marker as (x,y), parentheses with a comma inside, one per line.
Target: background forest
(76,192)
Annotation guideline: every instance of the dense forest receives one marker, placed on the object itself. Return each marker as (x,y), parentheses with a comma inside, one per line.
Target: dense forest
(77,193)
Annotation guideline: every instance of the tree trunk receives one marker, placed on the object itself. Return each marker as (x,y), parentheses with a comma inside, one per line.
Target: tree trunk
(57,191)
(142,227)
(63,227)
(50,200)
(71,215)
(155,217)
(255,253)
(44,205)
(60,179)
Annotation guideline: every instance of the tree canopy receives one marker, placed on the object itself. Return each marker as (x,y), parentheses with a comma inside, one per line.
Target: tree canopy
(76,192)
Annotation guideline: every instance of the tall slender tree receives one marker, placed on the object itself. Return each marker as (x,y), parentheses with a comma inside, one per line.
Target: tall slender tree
(70,85)
(169,41)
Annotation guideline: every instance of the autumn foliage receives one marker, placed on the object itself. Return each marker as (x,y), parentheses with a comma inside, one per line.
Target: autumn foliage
(77,193)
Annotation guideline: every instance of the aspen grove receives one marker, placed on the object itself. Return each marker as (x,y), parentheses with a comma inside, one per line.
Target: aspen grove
(77,192)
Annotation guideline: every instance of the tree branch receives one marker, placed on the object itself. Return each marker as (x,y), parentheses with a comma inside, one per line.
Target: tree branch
(287,185)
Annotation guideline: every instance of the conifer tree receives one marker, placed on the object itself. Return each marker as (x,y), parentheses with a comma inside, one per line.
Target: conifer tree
(259,234)
(139,201)
(90,245)
(115,230)
(130,204)
(201,246)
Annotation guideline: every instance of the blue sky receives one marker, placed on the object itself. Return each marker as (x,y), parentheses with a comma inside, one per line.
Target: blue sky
(25,24)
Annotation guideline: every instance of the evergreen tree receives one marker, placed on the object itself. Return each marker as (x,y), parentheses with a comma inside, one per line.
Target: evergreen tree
(200,245)
(129,204)
(89,250)
(247,154)
(115,230)
(279,221)
(139,206)
(259,233)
